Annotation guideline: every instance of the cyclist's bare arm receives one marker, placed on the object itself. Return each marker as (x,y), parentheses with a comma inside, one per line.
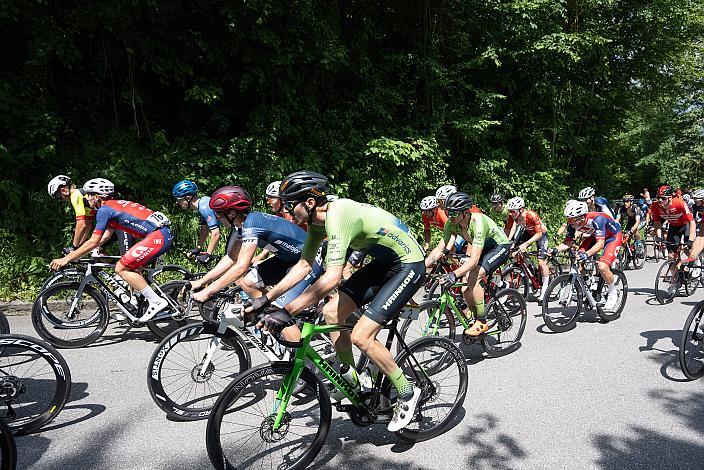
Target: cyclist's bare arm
(239,269)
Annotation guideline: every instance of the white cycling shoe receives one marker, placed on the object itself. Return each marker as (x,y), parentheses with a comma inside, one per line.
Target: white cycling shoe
(611,301)
(404,411)
(153,309)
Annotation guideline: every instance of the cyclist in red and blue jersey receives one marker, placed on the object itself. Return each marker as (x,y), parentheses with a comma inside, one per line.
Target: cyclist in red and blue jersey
(676,212)
(186,194)
(600,231)
(283,239)
(138,221)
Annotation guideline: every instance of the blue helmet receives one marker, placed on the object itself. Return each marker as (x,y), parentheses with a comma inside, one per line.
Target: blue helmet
(185,188)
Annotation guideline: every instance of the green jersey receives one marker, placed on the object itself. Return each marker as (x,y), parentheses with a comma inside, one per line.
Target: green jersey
(482,232)
(365,228)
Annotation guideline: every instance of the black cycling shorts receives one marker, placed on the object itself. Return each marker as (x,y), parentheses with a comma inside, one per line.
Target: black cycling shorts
(674,236)
(494,257)
(270,271)
(385,286)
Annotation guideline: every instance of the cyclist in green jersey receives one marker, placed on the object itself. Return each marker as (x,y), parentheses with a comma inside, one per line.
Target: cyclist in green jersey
(382,286)
(487,248)
(498,211)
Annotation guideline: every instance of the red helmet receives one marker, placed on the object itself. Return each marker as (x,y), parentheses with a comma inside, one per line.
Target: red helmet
(665,190)
(230,197)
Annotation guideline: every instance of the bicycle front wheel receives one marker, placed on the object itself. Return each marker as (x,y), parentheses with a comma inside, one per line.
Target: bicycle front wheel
(438,367)
(431,321)
(692,344)
(562,303)
(240,432)
(507,314)
(638,255)
(67,318)
(667,282)
(35,382)
(181,383)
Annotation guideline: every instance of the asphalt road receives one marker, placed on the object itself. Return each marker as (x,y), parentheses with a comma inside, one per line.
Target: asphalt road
(607,396)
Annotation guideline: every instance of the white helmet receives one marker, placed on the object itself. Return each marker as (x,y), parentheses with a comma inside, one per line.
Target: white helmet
(686,198)
(444,191)
(428,203)
(575,208)
(99,186)
(586,193)
(273,189)
(516,203)
(698,194)
(56,183)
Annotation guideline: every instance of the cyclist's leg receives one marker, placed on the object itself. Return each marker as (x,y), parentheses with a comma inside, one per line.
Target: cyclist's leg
(152,246)
(356,291)
(488,263)
(608,256)
(402,281)
(542,244)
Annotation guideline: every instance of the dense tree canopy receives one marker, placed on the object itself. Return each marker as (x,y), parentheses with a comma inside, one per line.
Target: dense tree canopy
(532,97)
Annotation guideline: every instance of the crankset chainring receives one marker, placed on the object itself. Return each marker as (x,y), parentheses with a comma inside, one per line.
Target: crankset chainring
(359,416)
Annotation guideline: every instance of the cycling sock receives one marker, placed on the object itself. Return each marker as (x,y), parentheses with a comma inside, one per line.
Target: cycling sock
(149,295)
(481,312)
(346,357)
(612,288)
(404,387)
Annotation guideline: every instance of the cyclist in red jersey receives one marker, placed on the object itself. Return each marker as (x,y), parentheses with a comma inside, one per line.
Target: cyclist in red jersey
(526,229)
(600,231)
(432,216)
(680,219)
(134,219)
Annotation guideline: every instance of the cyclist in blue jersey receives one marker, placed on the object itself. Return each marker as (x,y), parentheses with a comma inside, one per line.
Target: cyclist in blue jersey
(595,203)
(283,239)
(186,194)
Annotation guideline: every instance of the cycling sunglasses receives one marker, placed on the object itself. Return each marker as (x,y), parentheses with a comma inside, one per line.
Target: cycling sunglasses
(290,205)
(451,213)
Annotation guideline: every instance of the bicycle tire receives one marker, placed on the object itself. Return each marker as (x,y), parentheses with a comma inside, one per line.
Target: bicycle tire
(622,287)
(517,278)
(691,278)
(21,405)
(242,393)
(8,448)
(168,393)
(63,275)
(639,255)
(439,349)
(692,344)
(410,330)
(557,300)
(506,312)
(96,322)
(662,293)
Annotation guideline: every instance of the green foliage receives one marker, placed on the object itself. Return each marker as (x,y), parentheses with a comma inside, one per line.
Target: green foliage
(531,97)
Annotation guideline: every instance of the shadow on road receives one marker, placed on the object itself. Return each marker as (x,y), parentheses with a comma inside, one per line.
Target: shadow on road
(487,447)
(651,449)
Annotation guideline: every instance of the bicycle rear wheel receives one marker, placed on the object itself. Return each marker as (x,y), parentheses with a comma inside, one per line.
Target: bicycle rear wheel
(438,367)
(691,352)
(240,430)
(621,285)
(516,278)
(68,320)
(562,303)
(667,283)
(35,382)
(180,383)
(507,314)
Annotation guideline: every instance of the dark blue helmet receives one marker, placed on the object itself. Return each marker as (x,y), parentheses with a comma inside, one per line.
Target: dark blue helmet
(185,188)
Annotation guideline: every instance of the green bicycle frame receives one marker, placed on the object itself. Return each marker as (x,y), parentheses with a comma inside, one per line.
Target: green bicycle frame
(304,352)
(447,300)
